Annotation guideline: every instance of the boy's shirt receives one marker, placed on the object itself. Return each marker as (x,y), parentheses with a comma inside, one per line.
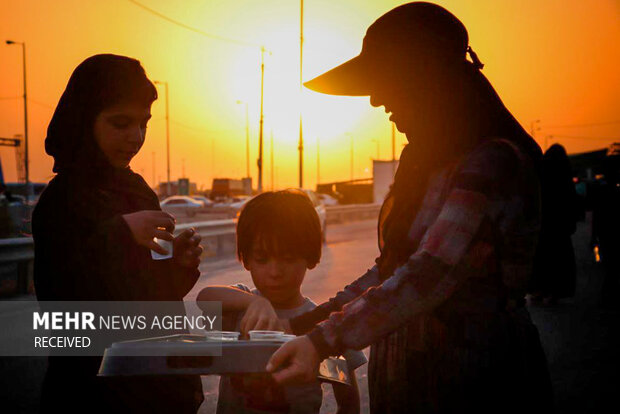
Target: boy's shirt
(302,399)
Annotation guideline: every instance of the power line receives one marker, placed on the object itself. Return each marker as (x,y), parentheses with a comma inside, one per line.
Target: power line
(42,104)
(582,125)
(193,29)
(574,137)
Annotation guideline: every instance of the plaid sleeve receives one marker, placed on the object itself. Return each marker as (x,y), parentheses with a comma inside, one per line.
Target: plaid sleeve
(450,251)
(305,322)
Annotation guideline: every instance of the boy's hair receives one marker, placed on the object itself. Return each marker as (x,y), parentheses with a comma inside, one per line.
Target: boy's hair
(284,222)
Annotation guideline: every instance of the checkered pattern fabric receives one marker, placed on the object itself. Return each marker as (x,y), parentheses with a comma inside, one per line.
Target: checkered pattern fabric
(478,225)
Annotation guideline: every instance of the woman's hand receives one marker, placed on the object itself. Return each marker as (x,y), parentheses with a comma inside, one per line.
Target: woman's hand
(187,249)
(295,362)
(147,224)
(260,315)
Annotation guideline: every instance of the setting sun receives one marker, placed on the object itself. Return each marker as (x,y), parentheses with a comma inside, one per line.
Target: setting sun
(211,68)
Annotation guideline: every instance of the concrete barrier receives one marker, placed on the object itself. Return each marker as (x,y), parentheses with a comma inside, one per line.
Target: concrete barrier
(19,251)
(218,237)
(352,212)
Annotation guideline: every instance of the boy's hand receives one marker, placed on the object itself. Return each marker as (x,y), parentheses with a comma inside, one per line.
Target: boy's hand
(260,315)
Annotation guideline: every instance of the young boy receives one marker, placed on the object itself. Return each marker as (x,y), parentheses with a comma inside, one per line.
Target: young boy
(278,239)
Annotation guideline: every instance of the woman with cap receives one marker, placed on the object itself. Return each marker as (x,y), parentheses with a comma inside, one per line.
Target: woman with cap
(93,230)
(443,307)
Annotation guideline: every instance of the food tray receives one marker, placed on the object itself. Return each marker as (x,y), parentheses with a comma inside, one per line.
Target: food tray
(193,355)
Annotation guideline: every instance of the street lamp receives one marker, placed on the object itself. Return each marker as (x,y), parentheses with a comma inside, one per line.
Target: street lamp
(26,161)
(300,147)
(547,141)
(376,141)
(351,138)
(247,138)
(318,160)
(167,139)
(535,126)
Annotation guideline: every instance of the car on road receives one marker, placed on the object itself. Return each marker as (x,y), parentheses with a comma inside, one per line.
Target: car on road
(319,206)
(207,203)
(178,205)
(327,199)
(237,204)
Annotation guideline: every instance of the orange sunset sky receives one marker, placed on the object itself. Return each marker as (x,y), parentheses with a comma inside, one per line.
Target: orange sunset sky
(556,61)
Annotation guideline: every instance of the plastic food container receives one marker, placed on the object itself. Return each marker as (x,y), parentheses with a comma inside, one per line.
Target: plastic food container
(266,336)
(287,337)
(222,335)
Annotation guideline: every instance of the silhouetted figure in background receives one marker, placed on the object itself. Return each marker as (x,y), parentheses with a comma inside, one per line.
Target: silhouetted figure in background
(606,228)
(93,229)
(555,272)
(443,308)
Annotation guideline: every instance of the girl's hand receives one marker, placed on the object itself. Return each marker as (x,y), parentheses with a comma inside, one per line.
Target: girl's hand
(147,224)
(295,362)
(260,315)
(187,249)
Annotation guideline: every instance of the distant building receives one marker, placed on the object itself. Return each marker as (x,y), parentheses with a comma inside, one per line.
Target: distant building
(383,176)
(181,187)
(586,165)
(349,192)
(230,187)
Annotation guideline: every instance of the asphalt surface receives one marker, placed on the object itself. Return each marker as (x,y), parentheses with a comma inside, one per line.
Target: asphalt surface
(580,338)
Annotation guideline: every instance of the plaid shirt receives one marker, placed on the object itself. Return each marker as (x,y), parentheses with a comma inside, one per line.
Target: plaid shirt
(478,223)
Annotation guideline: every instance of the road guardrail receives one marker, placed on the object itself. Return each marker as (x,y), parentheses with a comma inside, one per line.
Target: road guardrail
(218,239)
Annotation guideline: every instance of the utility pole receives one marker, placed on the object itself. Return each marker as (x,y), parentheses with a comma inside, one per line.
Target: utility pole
(393,149)
(318,161)
(301,65)
(271,153)
(153,163)
(247,139)
(534,126)
(26,158)
(168,191)
(260,131)
(351,154)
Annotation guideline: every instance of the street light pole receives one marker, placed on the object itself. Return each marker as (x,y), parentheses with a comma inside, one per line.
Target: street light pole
(393,149)
(351,155)
(534,128)
(271,153)
(318,161)
(26,159)
(260,130)
(167,139)
(247,139)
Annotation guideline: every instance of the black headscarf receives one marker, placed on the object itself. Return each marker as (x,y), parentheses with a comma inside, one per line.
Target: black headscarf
(97,83)
(421,157)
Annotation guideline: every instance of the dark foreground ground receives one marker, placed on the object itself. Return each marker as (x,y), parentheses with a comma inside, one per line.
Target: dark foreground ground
(581,340)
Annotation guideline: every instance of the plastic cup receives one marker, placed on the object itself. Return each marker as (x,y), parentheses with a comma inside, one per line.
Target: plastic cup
(266,336)
(222,336)
(166,245)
